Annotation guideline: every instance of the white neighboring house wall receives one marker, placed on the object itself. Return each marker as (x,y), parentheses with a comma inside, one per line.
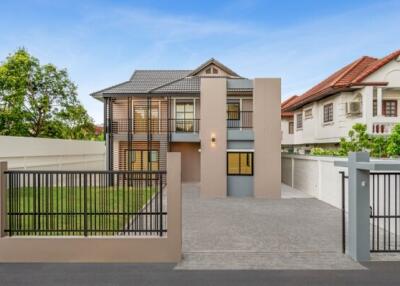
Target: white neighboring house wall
(320,178)
(315,131)
(287,138)
(52,154)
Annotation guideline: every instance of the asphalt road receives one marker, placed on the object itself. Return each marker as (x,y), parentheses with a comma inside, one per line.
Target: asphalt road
(378,273)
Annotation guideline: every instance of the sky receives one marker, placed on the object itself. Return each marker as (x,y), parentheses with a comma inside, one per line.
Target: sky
(101,43)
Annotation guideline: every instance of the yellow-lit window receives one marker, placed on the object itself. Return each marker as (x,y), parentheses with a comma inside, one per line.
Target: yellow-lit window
(240,163)
(233,163)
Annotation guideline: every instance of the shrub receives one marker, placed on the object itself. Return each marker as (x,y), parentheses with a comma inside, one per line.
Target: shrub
(393,142)
(324,152)
(379,146)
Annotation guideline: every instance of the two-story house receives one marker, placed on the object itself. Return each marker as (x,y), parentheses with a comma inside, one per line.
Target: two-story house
(226,127)
(366,91)
(287,125)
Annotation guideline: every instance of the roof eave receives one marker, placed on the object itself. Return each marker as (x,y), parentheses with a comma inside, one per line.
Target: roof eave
(325,93)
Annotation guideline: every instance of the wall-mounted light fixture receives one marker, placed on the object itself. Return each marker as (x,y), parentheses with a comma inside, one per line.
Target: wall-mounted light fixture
(213,139)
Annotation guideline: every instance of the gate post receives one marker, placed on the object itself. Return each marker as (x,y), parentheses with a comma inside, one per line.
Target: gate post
(3,198)
(358,207)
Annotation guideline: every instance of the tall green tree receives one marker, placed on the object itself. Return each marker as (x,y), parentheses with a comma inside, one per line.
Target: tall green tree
(40,101)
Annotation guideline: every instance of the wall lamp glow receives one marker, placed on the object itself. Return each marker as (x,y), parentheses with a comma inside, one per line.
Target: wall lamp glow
(213,139)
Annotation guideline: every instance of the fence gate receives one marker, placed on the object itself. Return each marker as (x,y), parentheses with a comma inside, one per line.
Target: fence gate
(384,211)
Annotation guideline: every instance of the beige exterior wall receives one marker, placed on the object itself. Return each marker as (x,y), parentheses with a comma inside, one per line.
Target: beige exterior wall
(52,154)
(213,123)
(190,160)
(104,249)
(267,138)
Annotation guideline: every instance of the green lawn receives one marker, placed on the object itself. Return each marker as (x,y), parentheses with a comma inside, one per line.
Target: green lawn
(61,210)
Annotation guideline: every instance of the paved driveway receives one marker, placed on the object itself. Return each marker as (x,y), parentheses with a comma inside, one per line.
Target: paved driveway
(247,233)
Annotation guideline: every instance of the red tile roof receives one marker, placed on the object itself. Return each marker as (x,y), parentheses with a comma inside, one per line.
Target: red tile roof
(286,103)
(343,79)
(377,65)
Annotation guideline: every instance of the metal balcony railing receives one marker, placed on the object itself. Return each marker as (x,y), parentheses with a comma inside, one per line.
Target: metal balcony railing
(240,119)
(155,126)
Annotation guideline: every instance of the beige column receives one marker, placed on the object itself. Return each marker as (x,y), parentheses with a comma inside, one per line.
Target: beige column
(213,128)
(267,143)
(3,197)
(174,207)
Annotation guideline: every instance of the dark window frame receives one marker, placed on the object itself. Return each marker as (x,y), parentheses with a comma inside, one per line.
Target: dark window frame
(184,125)
(247,158)
(383,111)
(233,112)
(291,127)
(385,107)
(328,113)
(299,123)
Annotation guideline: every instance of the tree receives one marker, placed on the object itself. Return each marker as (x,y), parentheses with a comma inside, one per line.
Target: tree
(359,140)
(393,146)
(40,101)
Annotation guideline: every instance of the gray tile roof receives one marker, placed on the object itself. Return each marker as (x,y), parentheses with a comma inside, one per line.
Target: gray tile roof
(143,81)
(169,81)
(185,85)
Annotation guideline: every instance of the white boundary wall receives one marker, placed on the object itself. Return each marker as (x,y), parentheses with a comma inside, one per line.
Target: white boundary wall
(314,175)
(52,154)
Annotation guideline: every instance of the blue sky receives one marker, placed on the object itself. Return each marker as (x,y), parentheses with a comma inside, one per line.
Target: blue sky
(102,42)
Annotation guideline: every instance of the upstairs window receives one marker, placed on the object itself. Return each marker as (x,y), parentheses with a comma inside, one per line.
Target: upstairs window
(233,110)
(291,127)
(299,121)
(184,117)
(328,113)
(308,113)
(389,108)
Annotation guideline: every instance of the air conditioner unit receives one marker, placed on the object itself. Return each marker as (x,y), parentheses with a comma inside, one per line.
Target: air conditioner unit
(353,107)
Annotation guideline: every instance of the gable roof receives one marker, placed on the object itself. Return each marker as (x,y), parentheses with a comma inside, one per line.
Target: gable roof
(377,65)
(213,61)
(144,82)
(347,78)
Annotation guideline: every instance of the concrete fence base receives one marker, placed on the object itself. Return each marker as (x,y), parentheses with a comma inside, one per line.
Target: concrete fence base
(104,249)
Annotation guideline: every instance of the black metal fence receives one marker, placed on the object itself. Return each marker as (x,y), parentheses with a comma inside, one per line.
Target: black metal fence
(384,211)
(85,203)
(240,119)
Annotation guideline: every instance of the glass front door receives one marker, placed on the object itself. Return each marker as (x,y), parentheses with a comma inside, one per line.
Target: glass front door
(142,160)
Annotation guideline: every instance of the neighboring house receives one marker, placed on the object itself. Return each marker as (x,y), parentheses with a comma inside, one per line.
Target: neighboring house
(210,114)
(99,129)
(287,125)
(366,91)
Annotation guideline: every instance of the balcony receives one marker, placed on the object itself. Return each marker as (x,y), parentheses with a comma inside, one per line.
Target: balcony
(240,125)
(183,130)
(240,120)
(382,128)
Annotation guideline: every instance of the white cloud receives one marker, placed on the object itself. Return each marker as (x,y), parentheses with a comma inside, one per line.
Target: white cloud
(105,44)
